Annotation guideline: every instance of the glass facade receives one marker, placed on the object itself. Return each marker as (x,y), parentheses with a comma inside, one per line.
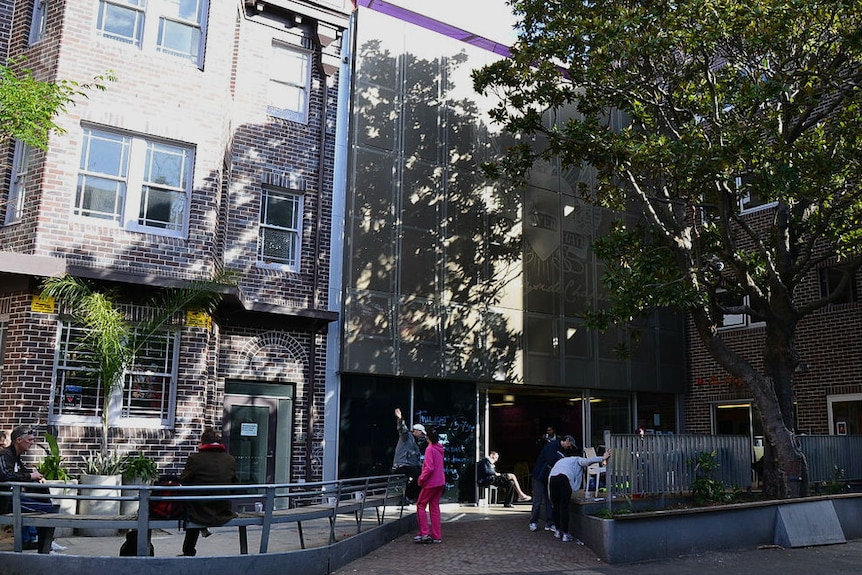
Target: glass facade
(450,276)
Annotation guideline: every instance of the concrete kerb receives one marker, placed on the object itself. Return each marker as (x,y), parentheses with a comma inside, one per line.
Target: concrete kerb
(314,561)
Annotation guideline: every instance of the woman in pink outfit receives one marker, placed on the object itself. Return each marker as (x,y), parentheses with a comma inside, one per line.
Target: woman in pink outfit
(432,480)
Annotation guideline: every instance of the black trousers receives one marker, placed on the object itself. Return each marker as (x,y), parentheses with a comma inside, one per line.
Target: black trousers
(411,472)
(507,486)
(560,491)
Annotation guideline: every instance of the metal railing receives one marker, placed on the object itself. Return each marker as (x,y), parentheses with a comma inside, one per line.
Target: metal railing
(832,457)
(665,464)
(262,505)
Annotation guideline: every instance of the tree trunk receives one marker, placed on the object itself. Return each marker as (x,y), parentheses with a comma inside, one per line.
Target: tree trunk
(785,469)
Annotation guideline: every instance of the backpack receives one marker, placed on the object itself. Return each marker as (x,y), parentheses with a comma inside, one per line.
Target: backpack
(167,509)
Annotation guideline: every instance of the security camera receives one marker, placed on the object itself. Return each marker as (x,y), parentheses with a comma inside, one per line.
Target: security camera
(716,264)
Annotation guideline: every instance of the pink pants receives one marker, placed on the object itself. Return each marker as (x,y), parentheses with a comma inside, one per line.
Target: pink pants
(429,496)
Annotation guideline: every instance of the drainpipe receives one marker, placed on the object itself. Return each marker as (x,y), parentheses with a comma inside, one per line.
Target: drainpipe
(312,31)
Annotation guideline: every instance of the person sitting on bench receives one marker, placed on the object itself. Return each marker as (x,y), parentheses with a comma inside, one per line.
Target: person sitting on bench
(486,474)
(12,468)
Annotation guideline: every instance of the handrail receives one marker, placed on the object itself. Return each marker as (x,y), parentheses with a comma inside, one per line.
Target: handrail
(272,503)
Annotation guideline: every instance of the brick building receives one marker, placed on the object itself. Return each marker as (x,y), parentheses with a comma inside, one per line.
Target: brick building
(212,151)
(827,383)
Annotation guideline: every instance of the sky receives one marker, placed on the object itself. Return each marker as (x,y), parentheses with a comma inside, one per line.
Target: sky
(489,18)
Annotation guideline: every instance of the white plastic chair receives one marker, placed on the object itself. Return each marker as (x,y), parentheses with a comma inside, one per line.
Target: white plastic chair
(594,470)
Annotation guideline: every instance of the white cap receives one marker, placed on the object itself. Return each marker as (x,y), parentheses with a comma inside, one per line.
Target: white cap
(419,427)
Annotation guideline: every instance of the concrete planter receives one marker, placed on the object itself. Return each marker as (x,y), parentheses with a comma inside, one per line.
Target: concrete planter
(666,534)
(131,507)
(67,506)
(93,507)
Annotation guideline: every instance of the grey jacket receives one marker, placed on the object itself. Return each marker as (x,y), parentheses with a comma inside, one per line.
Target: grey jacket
(406,451)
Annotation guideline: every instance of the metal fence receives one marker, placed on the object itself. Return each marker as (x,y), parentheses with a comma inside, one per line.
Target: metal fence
(665,464)
(832,457)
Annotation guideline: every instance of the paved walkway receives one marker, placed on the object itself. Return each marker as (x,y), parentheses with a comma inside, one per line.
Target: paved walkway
(495,541)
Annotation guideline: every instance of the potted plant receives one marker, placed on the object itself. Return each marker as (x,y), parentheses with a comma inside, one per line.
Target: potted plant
(138,469)
(100,470)
(55,472)
(112,340)
(52,468)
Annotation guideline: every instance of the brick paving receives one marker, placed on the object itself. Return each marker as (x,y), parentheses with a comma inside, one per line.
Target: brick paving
(490,540)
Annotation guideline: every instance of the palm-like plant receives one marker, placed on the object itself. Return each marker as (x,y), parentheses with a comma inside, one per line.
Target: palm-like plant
(111,338)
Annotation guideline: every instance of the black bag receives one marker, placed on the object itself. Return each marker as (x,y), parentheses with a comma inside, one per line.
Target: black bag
(168,509)
(129,548)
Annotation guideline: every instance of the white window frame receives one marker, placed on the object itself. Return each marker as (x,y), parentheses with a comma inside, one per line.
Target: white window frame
(840,398)
(121,410)
(743,321)
(825,287)
(39,22)
(3,334)
(135,178)
(292,261)
(149,20)
(282,82)
(746,205)
(18,182)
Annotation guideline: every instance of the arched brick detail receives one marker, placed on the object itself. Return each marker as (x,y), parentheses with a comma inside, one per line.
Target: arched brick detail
(276,355)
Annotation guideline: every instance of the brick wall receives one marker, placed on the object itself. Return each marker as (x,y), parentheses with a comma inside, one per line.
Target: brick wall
(219,110)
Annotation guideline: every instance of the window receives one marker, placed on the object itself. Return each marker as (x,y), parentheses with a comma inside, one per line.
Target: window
(750,201)
(289,79)
(142,184)
(280,218)
(845,414)
(727,299)
(39,23)
(2,347)
(830,278)
(149,386)
(19,181)
(175,27)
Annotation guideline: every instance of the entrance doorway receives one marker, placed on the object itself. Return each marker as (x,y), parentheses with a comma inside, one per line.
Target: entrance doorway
(258,420)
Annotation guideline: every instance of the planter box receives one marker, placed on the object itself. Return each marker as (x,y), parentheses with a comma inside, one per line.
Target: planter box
(67,506)
(667,534)
(93,507)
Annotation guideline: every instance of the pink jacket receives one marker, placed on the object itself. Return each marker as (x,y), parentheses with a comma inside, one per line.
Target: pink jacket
(432,468)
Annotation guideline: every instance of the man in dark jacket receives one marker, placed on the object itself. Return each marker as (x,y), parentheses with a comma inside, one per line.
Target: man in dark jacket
(487,474)
(552,452)
(407,460)
(211,465)
(12,468)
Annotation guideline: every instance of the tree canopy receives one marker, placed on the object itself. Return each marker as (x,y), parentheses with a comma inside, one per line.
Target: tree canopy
(724,105)
(28,106)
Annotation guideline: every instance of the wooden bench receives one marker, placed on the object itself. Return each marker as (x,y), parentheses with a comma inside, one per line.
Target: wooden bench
(278,503)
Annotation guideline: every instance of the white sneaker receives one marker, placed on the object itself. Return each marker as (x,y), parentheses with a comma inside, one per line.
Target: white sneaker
(57,547)
(557,533)
(567,538)
(534,527)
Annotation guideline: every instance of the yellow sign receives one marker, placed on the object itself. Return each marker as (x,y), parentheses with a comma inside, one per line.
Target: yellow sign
(196,318)
(41,304)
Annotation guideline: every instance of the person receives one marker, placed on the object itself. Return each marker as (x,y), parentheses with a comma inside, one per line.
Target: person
(552,452)
(211,465)
(12,468)
(550,435)
(432,480)
(4,439)
(565,478)
(407,459)
(486,474)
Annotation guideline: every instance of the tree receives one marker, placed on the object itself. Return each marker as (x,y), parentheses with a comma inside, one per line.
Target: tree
(28,106)
(111,339)
(688,108)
